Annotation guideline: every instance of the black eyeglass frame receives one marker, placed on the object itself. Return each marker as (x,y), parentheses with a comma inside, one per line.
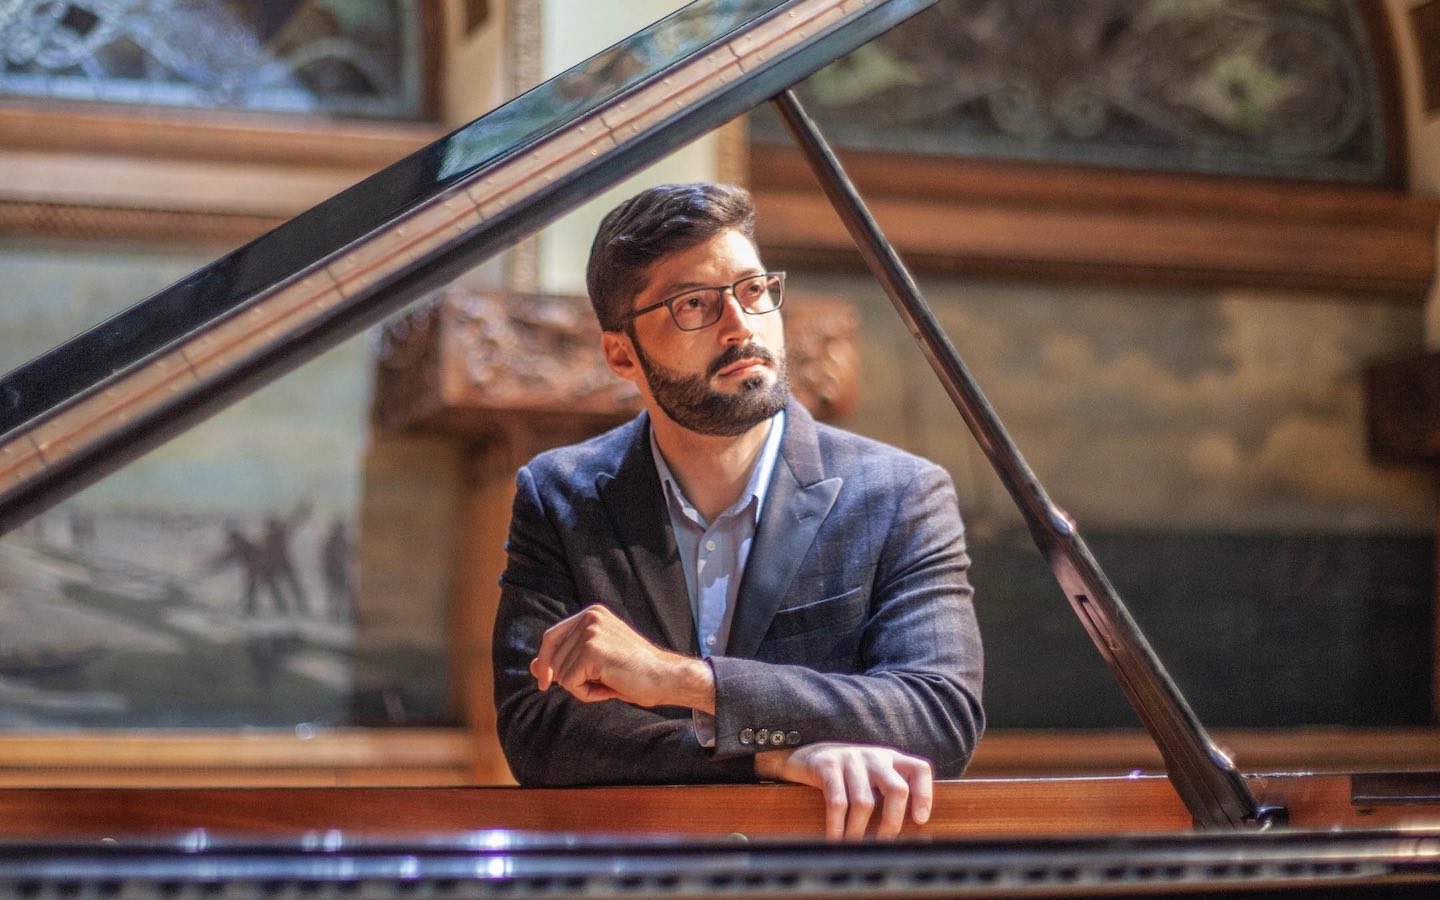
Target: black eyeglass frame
(669,302)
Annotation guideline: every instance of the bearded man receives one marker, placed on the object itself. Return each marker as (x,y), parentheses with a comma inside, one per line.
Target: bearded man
(723,589)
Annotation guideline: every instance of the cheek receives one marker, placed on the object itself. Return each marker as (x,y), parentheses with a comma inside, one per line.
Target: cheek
(772,331)
(674,352)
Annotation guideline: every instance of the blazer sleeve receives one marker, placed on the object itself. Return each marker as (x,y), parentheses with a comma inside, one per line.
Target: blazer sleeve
(550,738)
(917,687)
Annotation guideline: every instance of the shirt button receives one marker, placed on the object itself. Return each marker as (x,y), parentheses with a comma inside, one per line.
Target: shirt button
(710,641)
(710,545)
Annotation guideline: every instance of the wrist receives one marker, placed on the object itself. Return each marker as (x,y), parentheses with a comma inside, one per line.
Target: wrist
(693,684)
(770,763)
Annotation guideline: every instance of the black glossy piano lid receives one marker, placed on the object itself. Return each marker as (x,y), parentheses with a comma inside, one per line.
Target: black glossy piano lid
(215,290)
(115,353)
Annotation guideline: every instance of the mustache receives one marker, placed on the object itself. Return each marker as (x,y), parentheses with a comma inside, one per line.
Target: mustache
(739,353)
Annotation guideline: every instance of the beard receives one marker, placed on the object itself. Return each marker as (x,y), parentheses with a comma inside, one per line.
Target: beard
(693,404)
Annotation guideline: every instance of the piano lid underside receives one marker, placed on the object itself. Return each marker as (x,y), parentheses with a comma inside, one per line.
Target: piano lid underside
(117,390)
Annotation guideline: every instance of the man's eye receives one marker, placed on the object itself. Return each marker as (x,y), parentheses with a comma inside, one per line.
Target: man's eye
(753,290)
(692,301)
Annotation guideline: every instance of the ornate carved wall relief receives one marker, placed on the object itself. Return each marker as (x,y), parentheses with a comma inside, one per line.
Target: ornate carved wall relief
(1287,89)
(480,362)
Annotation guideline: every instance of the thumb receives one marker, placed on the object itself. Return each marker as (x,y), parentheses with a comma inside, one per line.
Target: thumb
(543,674)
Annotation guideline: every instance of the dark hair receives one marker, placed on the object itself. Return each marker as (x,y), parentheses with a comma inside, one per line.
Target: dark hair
(653,224)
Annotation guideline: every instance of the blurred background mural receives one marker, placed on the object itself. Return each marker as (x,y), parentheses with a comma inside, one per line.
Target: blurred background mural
(213,582)
(1209,438)
(209,583)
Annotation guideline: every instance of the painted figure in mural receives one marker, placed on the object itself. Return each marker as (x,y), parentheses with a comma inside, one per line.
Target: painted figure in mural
(82,528)
(723,589)
(335,565)
(266,564)
(277,566)
(244,554)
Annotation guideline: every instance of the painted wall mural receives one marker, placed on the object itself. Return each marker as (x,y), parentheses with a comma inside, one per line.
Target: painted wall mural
(210,583)
(1210,444)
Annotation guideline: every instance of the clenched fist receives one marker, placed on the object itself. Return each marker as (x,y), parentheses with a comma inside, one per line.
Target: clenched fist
(595,656)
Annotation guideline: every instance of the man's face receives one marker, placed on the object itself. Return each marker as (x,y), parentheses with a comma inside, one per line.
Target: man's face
(723,379)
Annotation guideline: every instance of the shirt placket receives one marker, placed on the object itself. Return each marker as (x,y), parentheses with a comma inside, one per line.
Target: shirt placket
(714,568)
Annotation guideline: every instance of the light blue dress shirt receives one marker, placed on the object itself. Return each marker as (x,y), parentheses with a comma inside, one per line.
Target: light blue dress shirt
(713,554)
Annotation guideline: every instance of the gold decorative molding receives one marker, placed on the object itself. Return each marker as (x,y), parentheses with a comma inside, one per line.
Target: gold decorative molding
(212,136)
(1015,752)
(269,757)
(111,223)
(974,217)
(91,172)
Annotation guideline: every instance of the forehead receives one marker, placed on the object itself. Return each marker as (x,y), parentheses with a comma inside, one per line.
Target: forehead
(718,260)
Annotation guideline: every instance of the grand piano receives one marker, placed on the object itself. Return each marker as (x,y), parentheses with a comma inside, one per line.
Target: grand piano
(120,388)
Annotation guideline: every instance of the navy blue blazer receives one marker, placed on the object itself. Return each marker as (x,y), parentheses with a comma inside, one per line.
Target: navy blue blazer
(853,622)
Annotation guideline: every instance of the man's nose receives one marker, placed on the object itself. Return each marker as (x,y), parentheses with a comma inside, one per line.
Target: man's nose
(734,323)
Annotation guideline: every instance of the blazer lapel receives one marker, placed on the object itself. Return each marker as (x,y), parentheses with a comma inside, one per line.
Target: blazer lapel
(796,505)
(635,502)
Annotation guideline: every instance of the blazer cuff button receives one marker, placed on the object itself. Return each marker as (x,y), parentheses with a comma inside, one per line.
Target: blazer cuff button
(777,737)
(792,738)
(747,736)
(762,737)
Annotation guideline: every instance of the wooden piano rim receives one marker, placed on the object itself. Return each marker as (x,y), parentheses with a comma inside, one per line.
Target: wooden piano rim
(980,807)
(434,757)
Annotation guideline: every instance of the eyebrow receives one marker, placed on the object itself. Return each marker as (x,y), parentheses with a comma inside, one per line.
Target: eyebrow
(680,287)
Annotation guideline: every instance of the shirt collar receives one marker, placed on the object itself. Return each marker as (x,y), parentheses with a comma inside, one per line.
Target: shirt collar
(755,488)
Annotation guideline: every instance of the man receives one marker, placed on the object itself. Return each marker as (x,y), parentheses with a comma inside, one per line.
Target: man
(723,589)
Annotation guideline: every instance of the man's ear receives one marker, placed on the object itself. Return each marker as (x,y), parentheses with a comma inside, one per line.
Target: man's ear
(620,354)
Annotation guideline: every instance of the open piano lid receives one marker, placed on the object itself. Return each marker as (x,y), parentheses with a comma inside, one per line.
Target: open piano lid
(115,391)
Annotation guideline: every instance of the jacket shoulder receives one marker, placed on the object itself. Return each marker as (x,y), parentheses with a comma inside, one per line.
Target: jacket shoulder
(845,450)
(582,462)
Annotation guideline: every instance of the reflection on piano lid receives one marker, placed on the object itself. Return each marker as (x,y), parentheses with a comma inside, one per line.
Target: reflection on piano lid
(85,408)
(508,864)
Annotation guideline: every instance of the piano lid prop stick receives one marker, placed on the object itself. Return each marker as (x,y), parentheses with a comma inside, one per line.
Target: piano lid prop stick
(1214,791)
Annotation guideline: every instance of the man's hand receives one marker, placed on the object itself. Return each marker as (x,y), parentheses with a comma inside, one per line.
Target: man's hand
(596,656)
(849,775)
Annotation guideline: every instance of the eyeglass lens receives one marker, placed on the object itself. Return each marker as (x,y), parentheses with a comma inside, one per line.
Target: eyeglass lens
(756,294)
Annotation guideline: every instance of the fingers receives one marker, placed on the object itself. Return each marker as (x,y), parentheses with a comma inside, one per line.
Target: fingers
(570,664)
(568,658)
(595,655)
(837,799)
(543,665)
(921,781)
(896,791)
(862,798)
(560,648)
(849,775)
(541,673)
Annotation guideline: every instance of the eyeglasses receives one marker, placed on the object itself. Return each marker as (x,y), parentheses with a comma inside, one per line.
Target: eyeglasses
(700,308)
